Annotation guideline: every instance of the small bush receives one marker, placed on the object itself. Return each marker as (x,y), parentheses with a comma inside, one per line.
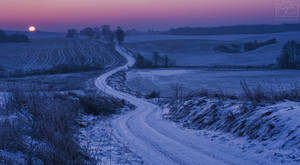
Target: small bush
(153,94)
(3,36)
(98,105)
(249,46)
(44,128)
(71,33)
(259,94)
(289,58)
(157,61)
(142,62)
(228,49)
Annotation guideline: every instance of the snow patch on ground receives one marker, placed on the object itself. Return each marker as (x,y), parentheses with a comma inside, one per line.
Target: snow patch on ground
(97,137)
(268,130)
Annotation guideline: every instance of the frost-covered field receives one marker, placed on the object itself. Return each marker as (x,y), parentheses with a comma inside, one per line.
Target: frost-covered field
(269,131)
(159,37)
(198,50)
(48,50)
(193,80)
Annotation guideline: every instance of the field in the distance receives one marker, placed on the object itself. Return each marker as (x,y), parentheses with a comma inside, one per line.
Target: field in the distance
(195,80)
(199,50)
(51,50)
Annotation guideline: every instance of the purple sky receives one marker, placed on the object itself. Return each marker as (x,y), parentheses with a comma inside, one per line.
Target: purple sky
(58,15)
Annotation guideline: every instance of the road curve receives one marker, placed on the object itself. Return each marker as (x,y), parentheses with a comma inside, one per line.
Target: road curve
(161,142)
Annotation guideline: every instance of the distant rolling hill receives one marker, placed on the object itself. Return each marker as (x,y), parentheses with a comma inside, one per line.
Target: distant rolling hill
(237,29)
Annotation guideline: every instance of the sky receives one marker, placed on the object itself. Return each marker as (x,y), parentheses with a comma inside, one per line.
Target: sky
(59,15)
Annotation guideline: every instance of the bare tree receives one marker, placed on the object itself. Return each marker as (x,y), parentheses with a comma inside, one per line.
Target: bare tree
(88,32)
(156,59)
(289,54)
(71,33)
(120,34)
(108,35)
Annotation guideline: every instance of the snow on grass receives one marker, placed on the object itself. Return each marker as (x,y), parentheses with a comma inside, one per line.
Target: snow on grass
(101,144)
(158,37)
(244,37)
(43,54)
(195,80)
(12,158)
(199,50)
(271,131)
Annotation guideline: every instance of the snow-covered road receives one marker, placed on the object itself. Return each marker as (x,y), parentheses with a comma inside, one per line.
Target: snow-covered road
(161,142)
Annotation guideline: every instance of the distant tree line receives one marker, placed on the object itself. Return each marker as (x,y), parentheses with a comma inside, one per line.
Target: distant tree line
(238,29)
(232,48)
(104,32)
(249,46)
(156,62)
(4,38)
(290,56)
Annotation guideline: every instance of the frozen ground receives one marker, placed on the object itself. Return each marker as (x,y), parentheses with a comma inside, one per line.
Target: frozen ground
(98,139)
(193,80)
(269,131)
(158,141)
(158,37)
(198,50)
(52,50)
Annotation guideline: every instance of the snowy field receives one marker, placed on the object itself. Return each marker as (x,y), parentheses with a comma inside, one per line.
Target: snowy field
(194,80)
(47,50)
(199,50)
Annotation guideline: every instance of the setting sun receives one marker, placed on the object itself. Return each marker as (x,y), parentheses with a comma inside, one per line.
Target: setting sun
(32,29)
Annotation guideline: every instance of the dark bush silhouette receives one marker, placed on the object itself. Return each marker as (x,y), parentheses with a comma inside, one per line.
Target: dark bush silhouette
(2,36)
(153,94)
(228,49)
(108,35)
(290,56)
(120,34)
(90,32)
(249,46)
(142,62)
(157,61)
(98,105)
(13,38)
(71,33)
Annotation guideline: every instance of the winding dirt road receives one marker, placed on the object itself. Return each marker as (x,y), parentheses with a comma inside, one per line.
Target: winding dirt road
(161,142)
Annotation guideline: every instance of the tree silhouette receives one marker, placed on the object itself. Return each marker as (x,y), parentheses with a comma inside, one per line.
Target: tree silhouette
(156,58)
(288,57)
(2,36)
(71,33)
(88,32)
(108,35)
(120,34)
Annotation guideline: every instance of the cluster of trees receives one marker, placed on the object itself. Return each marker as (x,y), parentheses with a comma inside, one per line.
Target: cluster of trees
(290,56)
(13,37)
(104,32)
(238,29)
(233,48)
(249,46)
(156,62)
